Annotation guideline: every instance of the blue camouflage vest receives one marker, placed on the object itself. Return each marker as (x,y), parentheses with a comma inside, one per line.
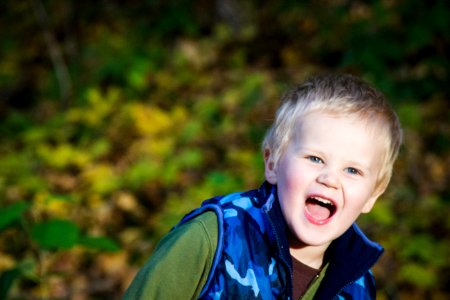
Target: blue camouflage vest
(252,259)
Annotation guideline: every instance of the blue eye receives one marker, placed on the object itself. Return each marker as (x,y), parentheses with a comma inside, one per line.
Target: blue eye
(315,159)
(353,171)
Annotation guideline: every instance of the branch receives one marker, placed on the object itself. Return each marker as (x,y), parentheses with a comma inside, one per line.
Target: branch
(56,56)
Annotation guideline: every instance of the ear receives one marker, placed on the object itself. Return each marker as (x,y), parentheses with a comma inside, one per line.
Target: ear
(269,167)
(378,191)
(371,202)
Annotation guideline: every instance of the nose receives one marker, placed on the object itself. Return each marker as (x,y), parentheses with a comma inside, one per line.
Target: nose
(329,179)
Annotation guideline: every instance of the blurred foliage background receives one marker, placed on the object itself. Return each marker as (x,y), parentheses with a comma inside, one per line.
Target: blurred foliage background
(118,117)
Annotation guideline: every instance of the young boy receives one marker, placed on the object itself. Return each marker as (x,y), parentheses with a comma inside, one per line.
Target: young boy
(328,157)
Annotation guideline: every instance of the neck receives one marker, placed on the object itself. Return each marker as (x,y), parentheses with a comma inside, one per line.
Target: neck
(311,256)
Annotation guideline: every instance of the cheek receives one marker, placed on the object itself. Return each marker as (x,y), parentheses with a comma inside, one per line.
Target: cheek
(289,179)
(359,197)
(291,189)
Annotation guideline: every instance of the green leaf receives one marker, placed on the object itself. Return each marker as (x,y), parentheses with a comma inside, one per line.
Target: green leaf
(56,234)
(418,275)
(12,213)
(99,243)
(8,277)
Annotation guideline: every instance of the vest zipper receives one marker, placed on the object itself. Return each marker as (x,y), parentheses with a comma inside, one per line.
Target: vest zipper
(281,258)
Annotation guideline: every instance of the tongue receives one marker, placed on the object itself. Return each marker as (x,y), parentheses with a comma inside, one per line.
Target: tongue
(319,212)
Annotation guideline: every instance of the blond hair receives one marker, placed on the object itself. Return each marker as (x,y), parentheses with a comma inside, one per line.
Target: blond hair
(343,95)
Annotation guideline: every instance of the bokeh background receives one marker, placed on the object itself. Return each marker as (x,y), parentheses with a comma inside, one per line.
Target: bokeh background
(118,117)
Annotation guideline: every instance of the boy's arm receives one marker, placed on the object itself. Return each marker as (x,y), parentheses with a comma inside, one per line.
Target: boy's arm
(180,264)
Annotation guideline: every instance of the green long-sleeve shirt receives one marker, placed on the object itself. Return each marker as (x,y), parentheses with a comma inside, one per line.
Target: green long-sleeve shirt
(180,264)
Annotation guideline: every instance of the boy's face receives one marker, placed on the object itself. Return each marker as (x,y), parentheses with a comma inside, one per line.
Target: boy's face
(326,176)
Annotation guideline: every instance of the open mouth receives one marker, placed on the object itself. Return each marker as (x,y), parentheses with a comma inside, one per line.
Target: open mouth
(319,210)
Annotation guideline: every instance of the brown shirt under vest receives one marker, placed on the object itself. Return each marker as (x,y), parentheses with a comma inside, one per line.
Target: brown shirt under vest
(303,275)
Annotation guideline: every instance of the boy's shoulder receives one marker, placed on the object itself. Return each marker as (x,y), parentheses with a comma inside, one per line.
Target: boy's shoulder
(254,197)
(199,222)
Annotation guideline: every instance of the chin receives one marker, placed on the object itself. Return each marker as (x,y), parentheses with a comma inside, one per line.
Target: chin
(312,240)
